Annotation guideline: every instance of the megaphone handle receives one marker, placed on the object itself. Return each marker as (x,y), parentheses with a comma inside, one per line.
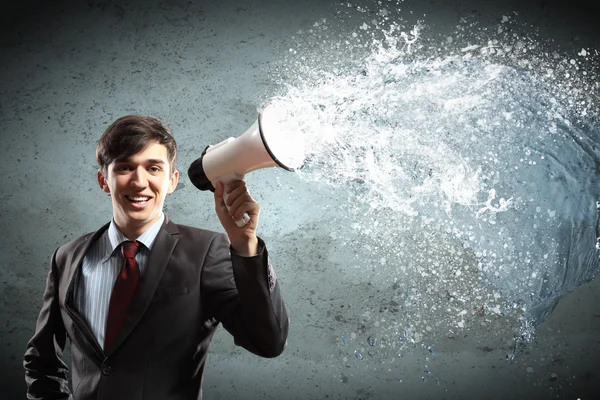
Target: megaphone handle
(240,222)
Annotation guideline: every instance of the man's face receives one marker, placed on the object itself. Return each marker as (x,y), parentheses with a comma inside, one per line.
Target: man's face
(138,186)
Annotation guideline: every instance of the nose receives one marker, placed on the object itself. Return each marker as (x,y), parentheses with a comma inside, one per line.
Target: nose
(138,178)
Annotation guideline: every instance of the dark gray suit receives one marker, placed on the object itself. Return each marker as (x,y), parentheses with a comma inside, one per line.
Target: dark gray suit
(191,283)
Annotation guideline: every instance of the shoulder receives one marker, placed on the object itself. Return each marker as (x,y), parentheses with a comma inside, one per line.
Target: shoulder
(73,244)
(194,234)
(199,242)
(65,253)
(195,244)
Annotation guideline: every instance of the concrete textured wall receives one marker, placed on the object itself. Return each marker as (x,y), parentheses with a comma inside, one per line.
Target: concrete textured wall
(68,69)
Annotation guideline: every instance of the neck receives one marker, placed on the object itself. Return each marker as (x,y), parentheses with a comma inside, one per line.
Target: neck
(135,229)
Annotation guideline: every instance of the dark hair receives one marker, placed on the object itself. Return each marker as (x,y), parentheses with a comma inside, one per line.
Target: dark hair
(129,135)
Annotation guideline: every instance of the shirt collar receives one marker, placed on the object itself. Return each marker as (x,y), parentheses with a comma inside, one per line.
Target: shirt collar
(116,237)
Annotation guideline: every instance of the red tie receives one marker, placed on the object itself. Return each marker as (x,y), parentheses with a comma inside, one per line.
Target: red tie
(122,293)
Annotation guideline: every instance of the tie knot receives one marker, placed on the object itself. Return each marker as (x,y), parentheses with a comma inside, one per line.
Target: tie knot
(129,248)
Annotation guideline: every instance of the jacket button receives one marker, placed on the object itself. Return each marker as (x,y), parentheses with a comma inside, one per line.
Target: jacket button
(106,370)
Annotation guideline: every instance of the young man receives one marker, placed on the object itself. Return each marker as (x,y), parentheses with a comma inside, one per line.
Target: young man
(140,299)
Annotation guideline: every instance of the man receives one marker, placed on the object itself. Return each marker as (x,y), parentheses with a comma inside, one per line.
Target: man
(140,299)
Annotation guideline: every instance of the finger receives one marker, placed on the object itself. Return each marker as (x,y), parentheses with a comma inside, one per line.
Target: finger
(238,200)
(231,186)
(234,190)
(218,189)
(236,196)
(220,207)
(234,184)
(250,207)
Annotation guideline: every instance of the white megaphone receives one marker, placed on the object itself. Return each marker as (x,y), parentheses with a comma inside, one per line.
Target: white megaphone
(263,145)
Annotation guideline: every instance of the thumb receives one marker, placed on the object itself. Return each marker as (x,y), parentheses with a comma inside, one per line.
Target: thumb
(220,206)
(218,190)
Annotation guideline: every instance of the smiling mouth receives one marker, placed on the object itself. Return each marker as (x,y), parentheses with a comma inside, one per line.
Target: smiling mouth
(138,199)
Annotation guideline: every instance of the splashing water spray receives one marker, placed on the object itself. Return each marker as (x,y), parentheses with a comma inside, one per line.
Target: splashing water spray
(490,147)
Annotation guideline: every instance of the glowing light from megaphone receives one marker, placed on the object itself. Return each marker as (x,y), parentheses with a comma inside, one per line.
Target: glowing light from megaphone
(285,144)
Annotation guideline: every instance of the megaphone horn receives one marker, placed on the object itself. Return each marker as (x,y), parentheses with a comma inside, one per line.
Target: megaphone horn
(231,159)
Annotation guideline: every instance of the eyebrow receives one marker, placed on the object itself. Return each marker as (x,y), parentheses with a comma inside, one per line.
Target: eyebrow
(156,161)
(149,161)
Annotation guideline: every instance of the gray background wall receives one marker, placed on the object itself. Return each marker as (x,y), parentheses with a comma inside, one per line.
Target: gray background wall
(68,69)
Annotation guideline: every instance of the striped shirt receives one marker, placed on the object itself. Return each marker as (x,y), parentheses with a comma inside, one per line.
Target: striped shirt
(100,269)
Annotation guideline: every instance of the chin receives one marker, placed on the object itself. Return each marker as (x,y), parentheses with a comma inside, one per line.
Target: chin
(140,218)
(146,217)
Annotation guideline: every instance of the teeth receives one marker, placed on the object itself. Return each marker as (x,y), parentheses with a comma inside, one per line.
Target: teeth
(138,198)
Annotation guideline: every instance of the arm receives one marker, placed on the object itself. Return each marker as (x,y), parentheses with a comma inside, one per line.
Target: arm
(238,292)
(241,288)
(45,371)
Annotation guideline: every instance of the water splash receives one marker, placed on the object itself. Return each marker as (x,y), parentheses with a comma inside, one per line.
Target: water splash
(472,168)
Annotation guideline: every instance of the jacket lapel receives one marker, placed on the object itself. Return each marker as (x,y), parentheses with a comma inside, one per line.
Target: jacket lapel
(163,246)
(68,286)
(76,261)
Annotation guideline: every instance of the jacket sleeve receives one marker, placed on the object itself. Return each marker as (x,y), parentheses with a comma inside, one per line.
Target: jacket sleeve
(45,371)
(242,293)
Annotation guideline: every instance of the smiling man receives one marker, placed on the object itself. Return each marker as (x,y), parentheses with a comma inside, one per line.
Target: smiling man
(140,299)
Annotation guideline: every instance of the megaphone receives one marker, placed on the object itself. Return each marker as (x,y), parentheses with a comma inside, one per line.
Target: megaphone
(261,146)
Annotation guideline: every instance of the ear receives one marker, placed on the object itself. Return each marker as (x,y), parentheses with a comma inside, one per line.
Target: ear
(173,183)
(103,183)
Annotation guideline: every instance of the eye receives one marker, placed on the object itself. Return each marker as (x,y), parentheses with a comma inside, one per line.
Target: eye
(154,169)
(122,168)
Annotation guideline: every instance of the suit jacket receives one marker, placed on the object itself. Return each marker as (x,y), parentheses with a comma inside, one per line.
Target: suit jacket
(192,283)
